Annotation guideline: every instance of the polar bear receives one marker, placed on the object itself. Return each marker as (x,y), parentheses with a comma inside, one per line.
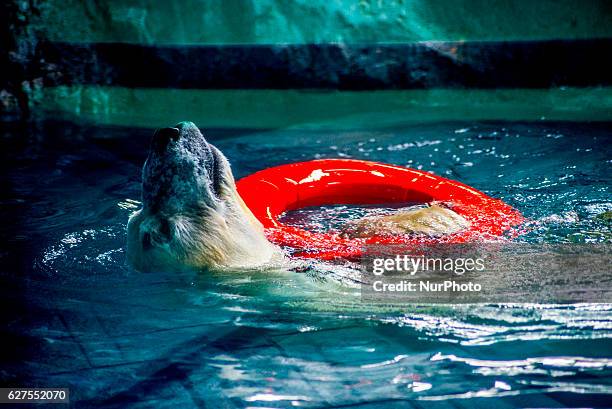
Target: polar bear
(193,216)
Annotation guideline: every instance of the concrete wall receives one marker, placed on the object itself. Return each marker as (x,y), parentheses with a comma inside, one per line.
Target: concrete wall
(43,83)
(320,21)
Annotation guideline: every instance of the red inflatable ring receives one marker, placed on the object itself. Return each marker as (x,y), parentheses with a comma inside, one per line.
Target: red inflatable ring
(271,192)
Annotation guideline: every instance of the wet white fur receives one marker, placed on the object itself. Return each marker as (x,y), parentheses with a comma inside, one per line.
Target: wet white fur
(214,233)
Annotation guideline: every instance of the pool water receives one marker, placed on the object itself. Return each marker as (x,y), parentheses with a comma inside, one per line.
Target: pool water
(76,316)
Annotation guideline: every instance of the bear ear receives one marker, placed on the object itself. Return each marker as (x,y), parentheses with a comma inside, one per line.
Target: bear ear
(159,235)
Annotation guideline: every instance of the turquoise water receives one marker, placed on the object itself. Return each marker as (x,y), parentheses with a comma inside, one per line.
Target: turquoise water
(76,316)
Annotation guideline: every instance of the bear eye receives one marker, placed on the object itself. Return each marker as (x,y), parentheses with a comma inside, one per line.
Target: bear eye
(146,241)
(164,229)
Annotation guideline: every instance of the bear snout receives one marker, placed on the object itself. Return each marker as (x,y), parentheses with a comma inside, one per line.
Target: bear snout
(162,137)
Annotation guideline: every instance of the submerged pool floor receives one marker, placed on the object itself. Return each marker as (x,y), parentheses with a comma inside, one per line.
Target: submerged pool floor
(75,316)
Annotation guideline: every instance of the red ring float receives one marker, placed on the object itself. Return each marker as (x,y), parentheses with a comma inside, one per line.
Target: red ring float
(273,191)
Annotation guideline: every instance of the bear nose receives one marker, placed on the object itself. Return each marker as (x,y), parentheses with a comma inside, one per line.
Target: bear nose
(163,136)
